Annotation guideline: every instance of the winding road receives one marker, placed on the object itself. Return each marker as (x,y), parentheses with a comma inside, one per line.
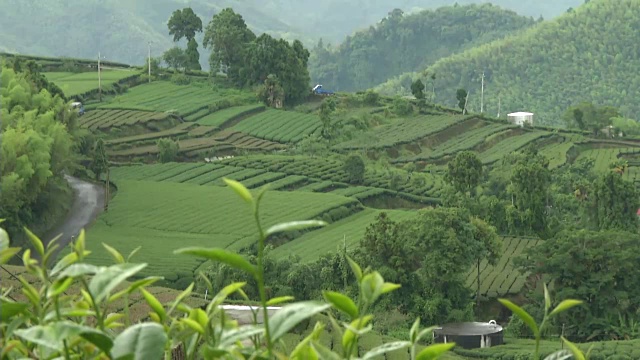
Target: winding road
(88,203)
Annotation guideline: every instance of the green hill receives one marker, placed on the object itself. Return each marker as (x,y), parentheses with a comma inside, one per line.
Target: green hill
(120,29)
(401,43)
(589,54)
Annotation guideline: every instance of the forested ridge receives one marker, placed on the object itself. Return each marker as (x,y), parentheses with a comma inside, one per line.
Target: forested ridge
(589,54)
(120,29)
(401,43)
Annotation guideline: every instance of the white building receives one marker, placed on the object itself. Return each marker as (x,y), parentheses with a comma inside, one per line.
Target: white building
(520,118)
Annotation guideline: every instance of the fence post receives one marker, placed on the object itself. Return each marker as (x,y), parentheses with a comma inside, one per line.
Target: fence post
(177,353)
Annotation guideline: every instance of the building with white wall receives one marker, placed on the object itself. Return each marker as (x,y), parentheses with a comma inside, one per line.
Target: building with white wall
(520,118)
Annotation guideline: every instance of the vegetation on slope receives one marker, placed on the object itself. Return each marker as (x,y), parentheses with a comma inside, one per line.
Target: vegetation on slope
(588,54)
(402,43)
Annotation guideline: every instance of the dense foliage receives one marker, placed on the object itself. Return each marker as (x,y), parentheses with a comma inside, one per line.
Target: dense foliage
(588,54)
(121,29)
(401,43)
(249,60)
(37,146)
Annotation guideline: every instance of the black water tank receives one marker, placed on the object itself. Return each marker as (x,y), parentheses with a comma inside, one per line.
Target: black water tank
(470,335)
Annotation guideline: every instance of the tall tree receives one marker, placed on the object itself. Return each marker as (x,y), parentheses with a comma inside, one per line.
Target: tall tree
(193,56)
(228,36)
(271,92)
(530,180)
(464,172)
(461,96)
(417,89)
(184,24)
(176,58)
(587,116)
(99,162)
(615,202)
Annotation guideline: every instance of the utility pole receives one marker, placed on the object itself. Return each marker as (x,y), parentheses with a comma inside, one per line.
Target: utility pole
(107,188)
(482,95)
(498,106)
(464,111)
(99,79)
(149,45)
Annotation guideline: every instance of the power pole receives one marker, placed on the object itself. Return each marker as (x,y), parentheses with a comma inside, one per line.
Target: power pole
(99,80)
(149,45)
(106,193)
(498,106)
(464,111)
(482,95)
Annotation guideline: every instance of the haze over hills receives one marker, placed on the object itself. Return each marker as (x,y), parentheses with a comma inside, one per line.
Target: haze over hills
(589,54)
(120,29)
(403,43)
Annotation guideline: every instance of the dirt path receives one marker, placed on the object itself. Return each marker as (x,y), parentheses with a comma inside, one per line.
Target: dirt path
(88,203)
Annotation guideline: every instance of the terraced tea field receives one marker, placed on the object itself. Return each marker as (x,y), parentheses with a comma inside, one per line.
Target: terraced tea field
(403,131)
(509,145)
(280,126)
(73,84)
(221,117)
(503,278)
(313,245)
(164,216)
(167,96)
(106,119)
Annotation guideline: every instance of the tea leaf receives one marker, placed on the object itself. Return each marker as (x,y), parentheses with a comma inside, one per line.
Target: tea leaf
(53,335)
(9,310)
(433,351)
(140,342)
(294,225)
(4,239)
(134,286)
(385,348)
(76,270)
(342,303)
(108,278)
(574,349)
(133,252)
(115,254)
(223,256)
(155,304)
(357,271)
(239,189)
(230,337)
(67,260)
(560,355)
(279,300)
(35,241)
(193,325)
(413,333)
(58,287)
(99,339)
(7,254)
(324,352)
(523,315)
(291,315)
(565,305)
(388,287)
(547,299)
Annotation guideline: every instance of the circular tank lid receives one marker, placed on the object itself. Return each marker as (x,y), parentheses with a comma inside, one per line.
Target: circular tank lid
(469,328)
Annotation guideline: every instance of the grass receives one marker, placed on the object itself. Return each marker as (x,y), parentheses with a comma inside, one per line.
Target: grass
(73,84)
(509,145)
(164,216)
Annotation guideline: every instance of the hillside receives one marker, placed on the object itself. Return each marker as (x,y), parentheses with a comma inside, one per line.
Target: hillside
(401,43)
(589,54)
(120,29)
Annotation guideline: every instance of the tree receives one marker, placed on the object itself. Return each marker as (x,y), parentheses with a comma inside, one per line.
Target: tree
(417,89)
(167,150)
(184,24)
(100,162)
(176,58)
(587,116)
(271,92)
(227,35)
(464,172)
(327,108)
(355,168)
(489,247)
(461,96)
(530,181)
(192,56)
(599,267)
(615,202)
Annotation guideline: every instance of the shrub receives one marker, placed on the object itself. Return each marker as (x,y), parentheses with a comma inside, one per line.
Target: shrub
(168,150)
(371,97)
(180,79)
(402,107)
(355,168)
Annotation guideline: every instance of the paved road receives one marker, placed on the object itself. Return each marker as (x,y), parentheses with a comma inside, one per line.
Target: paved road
(87,205)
